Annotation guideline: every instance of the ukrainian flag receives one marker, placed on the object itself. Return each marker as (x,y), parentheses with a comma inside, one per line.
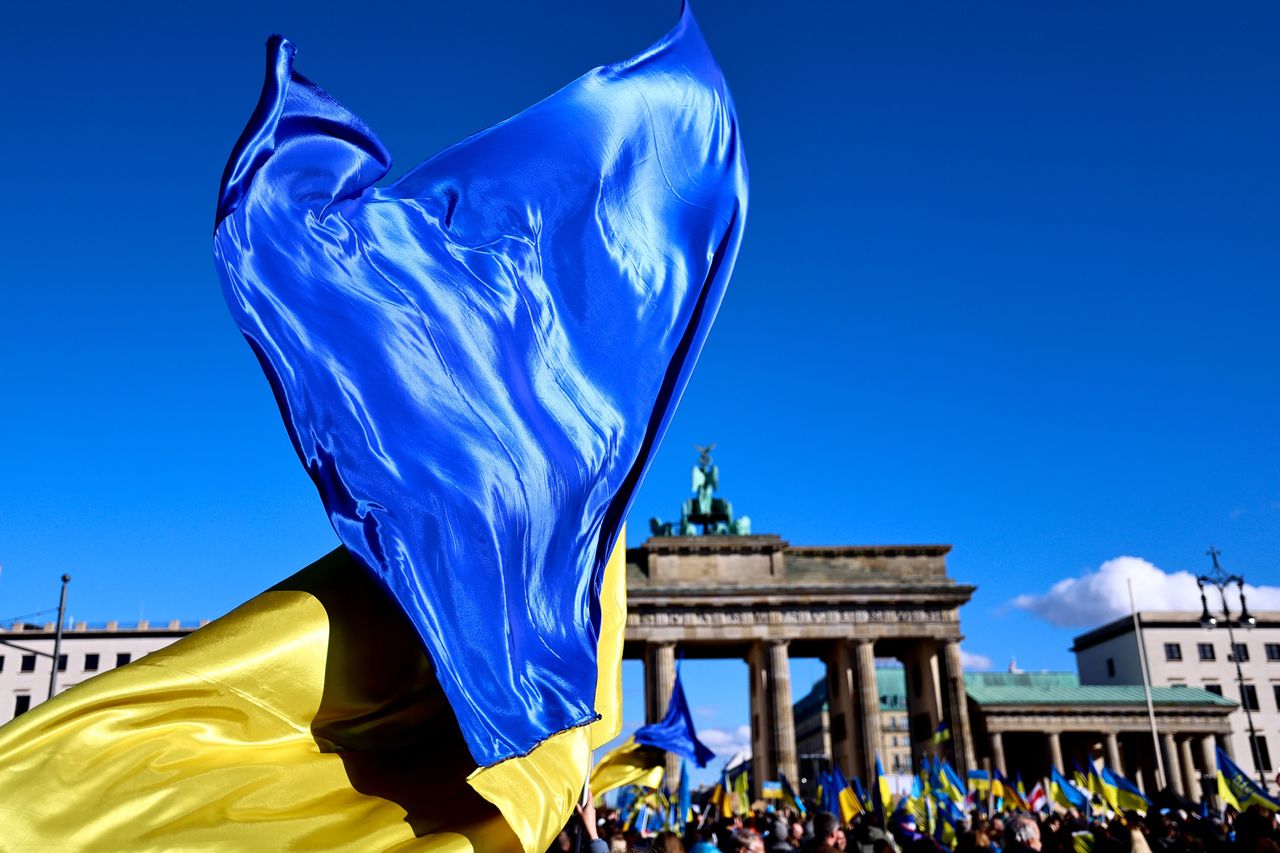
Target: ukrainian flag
(1243,790)
(1123,794)
(1064,793)
(475,364)
(885,802)
(846,799)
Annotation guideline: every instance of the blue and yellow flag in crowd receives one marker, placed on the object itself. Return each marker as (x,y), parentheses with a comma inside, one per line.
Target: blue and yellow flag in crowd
(1121,793)
(884,796)
(475,364)
(1243,791)
(847,804)
(1064,793)
(789,795)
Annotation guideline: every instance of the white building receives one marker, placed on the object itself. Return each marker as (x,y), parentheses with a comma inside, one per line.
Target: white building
(1180,652)
(26,656)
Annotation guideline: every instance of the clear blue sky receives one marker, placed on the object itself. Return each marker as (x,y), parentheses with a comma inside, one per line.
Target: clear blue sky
(1010,281)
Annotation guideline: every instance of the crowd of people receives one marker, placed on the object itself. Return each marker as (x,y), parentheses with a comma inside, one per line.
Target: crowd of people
(785,831)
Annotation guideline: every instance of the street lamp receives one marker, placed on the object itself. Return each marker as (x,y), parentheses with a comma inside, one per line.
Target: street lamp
(1220,580)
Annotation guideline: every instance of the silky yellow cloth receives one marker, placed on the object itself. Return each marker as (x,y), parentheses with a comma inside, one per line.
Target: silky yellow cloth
(306,719)
(629,764)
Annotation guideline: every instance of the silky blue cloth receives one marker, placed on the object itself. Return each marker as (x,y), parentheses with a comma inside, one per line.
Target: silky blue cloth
(675,732)
(477,361)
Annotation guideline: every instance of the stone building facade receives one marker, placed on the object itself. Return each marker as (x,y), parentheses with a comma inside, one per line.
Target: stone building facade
(1180,653)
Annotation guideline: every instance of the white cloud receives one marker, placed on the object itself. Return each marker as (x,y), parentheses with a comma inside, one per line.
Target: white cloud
(1099,596)
(726,741)
(973,660)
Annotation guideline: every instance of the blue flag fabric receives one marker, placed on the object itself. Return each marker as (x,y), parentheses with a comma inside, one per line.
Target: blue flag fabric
(476,362)
(675,732)
(684,799)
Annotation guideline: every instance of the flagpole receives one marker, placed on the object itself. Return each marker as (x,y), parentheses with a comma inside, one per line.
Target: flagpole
(1161,782)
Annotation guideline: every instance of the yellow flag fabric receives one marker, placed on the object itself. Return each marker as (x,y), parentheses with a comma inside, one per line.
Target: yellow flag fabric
(307,718)
(1224,791)
(629,764)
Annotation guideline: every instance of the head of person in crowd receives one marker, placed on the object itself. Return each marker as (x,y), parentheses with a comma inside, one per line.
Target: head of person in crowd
(826,827)
(1022,833)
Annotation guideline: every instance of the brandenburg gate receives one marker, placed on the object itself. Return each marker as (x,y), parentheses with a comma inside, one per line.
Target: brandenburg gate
(706,587)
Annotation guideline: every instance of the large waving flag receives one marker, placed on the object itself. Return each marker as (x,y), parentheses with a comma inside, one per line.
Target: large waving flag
(1243,790)
(675,732)
(475,364)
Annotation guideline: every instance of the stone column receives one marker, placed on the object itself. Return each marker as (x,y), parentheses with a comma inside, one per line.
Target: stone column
(868,707)
(660,677)
(784,725)
(1172,770)
(1113,753)
(1210,760)
(924,695)
(1191,780)
(997,753)
(841,701)
(1224,741)
(662,664)
(1055,751)
(762,749)
(958,709)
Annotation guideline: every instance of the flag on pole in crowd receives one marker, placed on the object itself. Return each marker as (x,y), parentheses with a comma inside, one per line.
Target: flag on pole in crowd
(1244,790)
(675,732)
(950,782)
(684,798)
(884,798)
(789,795)
(861,794)
(475,364)
(1123,793)
(942,733)
(1105,792)
(847,801)
(1064,793)
(1037,800)
(979,781)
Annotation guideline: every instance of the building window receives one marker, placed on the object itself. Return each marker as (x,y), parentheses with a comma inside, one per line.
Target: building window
(21,703)
(123,658)
(1,663)
(1273,652)
(1264,756)
(1111,667)
(1276,689)
(1249,697)
(1240,652)
(91,663)
(1206,651)
(1215,689)
(28,663)
(62,663)
(1173,651)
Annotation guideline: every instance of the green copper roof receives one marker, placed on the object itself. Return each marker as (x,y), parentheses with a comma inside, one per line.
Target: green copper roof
(891,682)
(1064,688)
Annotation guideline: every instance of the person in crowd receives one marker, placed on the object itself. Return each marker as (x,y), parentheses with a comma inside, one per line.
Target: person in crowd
(1022,834)
(826,830)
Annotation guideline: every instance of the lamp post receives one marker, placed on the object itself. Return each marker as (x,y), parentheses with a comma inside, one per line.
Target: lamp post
(1220,580)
